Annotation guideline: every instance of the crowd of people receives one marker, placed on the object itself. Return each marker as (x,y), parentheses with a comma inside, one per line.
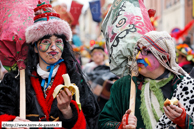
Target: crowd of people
(164,71)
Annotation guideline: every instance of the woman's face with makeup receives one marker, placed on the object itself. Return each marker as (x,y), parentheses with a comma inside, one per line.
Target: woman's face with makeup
(146,61)
(50,49)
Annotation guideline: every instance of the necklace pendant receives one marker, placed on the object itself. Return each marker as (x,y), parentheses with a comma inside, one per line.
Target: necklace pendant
(47,90)
(49,87)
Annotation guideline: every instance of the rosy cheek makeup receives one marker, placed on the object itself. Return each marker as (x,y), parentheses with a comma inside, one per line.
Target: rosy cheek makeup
(44,45)
(44,48)
(152,63)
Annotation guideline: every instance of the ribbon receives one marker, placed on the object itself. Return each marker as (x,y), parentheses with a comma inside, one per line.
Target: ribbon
(51,67)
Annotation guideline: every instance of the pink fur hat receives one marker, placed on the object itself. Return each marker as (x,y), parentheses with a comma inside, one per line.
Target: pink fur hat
(47,22)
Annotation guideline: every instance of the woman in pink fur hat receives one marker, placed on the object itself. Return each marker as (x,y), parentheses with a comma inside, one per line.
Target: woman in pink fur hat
(49,57)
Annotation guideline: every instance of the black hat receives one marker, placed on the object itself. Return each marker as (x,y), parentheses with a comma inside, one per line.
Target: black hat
(97,47)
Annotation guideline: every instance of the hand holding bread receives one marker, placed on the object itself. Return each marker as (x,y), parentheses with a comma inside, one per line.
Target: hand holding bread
(173,109)
(173,101)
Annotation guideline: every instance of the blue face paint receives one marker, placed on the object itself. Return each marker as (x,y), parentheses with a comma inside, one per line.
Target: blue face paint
(142,62)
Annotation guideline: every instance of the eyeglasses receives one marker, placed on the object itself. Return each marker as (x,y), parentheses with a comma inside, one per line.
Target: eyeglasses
(143,51)
(97,53)
(49,41)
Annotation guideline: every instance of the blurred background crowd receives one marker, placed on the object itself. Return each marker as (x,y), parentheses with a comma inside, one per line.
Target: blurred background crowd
(85,18)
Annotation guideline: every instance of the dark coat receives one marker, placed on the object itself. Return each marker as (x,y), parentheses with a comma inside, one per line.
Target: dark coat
(9,104)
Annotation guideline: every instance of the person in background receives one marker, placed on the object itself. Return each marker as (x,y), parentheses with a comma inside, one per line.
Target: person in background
(85,57)
(76,51)
(185,57)
(99,74)
(159,77)
(188,41)
(95,68)
(97,57)
(49,57)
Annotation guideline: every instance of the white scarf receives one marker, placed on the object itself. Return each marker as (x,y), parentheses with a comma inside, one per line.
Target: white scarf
(44,74)
(151,99)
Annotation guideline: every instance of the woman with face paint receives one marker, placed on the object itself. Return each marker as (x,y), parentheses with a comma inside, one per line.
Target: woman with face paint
(49,57)
(159,77)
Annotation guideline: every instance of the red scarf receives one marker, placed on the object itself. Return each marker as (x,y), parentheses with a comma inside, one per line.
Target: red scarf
(45,104)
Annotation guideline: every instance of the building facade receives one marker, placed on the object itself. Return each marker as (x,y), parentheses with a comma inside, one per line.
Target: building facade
(189,16)
(174,15)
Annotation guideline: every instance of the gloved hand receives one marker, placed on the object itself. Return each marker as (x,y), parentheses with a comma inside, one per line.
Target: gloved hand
(129,121)
(177,114)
